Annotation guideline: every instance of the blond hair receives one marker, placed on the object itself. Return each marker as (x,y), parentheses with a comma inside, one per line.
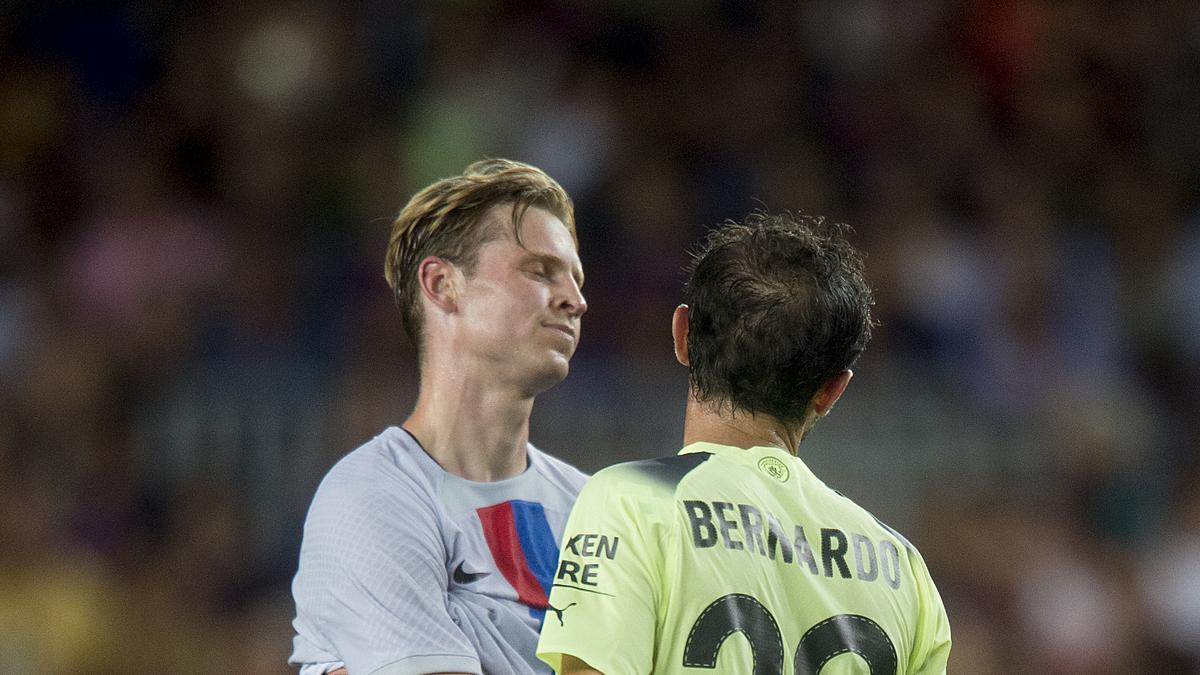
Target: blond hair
(446,220)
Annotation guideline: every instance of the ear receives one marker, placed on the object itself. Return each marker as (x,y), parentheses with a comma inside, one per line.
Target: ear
(679,331)
(440,282)
(830,392)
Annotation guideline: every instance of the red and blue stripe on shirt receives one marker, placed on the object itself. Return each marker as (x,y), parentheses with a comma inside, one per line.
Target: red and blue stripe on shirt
(523,549)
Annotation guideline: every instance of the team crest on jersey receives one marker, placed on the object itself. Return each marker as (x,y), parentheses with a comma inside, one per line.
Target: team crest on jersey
(775,468)
(523,547)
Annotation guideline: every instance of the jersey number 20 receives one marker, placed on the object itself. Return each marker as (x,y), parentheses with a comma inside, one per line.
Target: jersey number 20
(833,636)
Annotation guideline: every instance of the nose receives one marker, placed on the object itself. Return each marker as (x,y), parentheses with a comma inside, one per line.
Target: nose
(572,299)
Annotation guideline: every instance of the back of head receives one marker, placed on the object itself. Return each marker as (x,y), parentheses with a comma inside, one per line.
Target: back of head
(777,306)
(447,220)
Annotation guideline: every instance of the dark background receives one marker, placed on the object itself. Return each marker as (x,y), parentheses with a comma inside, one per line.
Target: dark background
(194,206)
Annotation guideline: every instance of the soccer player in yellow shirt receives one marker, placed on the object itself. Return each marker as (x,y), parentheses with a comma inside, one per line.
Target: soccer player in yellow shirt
(732,557)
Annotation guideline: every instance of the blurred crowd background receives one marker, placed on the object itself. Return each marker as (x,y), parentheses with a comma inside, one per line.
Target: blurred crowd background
(194,206)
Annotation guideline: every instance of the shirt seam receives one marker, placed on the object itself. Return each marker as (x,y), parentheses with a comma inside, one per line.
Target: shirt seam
(458,655)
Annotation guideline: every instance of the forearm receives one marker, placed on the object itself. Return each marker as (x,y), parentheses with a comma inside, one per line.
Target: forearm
(574,666)
(343,671)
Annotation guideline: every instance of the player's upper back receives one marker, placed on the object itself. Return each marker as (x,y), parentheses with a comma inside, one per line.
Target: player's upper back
(753,542)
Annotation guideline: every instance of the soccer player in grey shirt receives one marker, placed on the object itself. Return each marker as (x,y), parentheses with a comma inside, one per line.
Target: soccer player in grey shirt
(431,548)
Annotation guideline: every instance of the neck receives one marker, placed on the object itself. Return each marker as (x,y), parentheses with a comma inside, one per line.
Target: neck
(710,423)
(472,426)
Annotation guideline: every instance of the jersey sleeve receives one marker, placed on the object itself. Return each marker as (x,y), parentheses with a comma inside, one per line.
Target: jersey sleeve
(602,603)
(371,586)
(932,648)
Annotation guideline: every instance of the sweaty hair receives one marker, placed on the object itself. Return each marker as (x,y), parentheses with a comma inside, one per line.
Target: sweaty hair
(447,220)
(777,305)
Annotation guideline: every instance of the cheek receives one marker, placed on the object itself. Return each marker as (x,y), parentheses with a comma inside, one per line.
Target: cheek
(509,309)
(530,297)
(502,316)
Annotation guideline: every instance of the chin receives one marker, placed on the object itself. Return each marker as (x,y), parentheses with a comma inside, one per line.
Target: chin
(549,375)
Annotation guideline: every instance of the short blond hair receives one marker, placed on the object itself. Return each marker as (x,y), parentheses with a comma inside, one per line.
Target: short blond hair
(446,220)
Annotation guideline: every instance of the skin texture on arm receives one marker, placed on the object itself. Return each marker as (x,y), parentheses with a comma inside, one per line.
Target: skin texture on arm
(343,671)
(574,666)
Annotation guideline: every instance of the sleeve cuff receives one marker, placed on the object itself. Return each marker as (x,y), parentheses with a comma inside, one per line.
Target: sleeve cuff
(552,656)
(436,663)
(320,668)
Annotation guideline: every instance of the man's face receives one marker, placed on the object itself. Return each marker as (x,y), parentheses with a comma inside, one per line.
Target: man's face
(521,307)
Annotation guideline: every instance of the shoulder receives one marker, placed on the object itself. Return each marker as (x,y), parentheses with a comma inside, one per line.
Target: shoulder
(379,479)
(637,498)
(383,460)
(557,473)
(846,510)
(648,478)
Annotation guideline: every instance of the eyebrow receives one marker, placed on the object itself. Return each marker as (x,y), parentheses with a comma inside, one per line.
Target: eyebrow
(556,262)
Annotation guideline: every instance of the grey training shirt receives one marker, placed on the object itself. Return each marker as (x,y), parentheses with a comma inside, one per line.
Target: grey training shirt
(405,568)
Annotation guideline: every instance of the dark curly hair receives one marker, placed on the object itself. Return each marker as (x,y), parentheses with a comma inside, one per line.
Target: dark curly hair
(778,306)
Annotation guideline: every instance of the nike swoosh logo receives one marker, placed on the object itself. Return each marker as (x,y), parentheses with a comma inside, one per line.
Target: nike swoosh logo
(463,577)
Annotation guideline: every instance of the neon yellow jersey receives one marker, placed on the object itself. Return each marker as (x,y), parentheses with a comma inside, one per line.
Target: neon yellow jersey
(727,560)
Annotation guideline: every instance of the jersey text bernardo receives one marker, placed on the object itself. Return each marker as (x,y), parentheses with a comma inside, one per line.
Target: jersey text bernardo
(745,527)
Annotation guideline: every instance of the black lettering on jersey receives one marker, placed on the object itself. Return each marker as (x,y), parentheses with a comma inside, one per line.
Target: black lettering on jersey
(731,614)
(704,533)
(573,544)
(776,537)
(568,569)
(864,557)
(607,547)
(589,545)
(804,552)
(593,546)
(833,549)
(841,634)
(588,577)
(763,533)
(890,562)
(752,525)
(727,526)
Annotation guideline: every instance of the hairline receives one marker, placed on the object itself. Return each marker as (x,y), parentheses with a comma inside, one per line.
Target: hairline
(492,223)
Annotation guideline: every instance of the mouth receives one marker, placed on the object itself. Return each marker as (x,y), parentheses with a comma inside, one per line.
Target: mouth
(564,328)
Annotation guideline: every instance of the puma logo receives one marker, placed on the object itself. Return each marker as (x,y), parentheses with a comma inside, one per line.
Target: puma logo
(559,612)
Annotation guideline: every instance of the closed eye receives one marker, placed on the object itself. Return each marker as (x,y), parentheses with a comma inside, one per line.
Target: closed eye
(548,267)
(539,270)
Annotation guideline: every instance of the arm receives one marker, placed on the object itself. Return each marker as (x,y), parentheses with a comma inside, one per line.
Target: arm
(933,637)
(343,671)
(602,604)
(574,666)
(371,587)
